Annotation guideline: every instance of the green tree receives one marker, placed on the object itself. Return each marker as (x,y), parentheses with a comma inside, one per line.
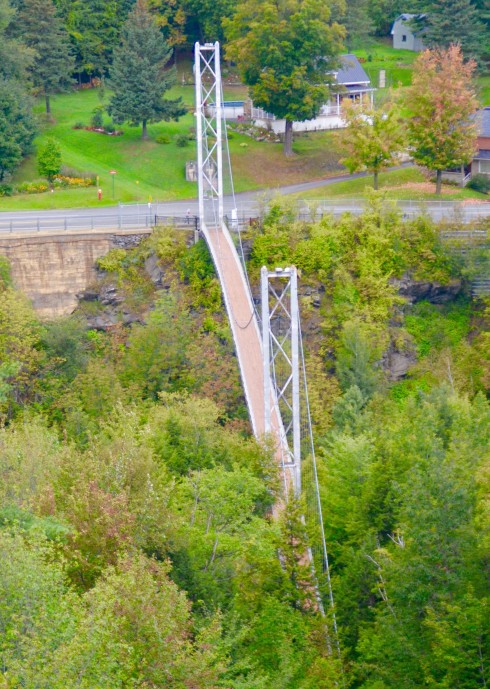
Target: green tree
(373,137)
(42,30)
(15,57)
(383,13)
(451,22)
(17,126)
(49,160)
(358,24)
(138,74)
(19,346)
(137,630)
(208,16)
(442,100)
(285,53)
(170,16)
(156,353)
(94,27)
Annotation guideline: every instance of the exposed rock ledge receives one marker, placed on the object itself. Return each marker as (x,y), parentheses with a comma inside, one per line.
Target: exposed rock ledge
(434,292)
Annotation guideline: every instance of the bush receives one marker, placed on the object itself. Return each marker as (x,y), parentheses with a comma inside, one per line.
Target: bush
(480,183)
(162,139)
(182,140)
(97,119)
(110,128)
(32,188)
(6,190)
(78,125)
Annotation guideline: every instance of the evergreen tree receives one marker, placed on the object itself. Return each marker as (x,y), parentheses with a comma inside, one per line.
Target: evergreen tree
(94,27)
(449,22)
(42,30)
(384,12)
(15,57)
(358,24)
(17,126)
(138,74)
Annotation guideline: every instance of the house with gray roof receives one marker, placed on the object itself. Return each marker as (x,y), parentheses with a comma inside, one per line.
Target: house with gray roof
(481,159)
(352,83)
(404,33)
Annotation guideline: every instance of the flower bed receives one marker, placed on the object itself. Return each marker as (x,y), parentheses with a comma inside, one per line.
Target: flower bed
(40,186)
(101,130)
(64,181)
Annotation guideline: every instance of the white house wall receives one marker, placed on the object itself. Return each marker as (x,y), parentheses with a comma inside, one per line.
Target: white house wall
(318,124)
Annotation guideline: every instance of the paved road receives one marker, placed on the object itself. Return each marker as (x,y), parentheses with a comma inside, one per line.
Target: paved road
(247,203)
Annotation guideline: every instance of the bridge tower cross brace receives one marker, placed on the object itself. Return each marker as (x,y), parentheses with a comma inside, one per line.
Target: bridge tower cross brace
(280,348)
(209,134)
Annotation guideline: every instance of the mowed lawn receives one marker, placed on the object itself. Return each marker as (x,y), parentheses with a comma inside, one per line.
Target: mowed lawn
(146,170)
(409,184)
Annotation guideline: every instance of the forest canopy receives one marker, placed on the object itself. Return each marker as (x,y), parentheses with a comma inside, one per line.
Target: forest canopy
(136,540)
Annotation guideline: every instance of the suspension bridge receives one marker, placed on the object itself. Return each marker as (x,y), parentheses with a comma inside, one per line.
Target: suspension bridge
(268,344)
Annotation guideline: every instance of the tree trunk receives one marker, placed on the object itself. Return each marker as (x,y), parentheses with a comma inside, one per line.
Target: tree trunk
(144,132)
(288,139)
(438,181)
(375,180)
(48,104)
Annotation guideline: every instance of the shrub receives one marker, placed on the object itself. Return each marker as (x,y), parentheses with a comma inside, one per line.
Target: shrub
(32,188)
(110,128)
(6,190)
(182,140)
(97,119)
(78,125)
(113,261)
(480,183)
(162,139)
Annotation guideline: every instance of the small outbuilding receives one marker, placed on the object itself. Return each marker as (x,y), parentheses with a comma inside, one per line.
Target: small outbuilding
(481,159)
(406,34)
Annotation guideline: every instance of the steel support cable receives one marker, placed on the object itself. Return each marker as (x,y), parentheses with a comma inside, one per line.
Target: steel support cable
(318,501)
(242,255)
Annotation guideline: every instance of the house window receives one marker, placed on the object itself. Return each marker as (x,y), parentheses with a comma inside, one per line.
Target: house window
(484,166)
(404,38)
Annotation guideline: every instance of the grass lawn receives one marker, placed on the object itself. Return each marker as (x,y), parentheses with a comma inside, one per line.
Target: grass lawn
(398,65)
(147,170)
(408,183)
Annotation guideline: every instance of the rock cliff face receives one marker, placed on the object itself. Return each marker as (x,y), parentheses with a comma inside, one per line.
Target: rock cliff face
(52,270)
(433,292)
(397,362)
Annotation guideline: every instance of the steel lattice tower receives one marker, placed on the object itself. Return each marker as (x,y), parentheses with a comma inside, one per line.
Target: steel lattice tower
(280,346)
(209,132)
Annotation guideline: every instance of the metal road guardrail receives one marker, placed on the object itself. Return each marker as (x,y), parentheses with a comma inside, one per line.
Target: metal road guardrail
(73,223)
(70,223)
(140,216)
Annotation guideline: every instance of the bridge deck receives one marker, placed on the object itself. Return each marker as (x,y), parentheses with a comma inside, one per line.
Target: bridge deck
(243,323)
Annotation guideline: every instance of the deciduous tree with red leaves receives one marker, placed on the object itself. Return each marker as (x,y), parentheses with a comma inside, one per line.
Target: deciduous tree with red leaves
(442,100)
